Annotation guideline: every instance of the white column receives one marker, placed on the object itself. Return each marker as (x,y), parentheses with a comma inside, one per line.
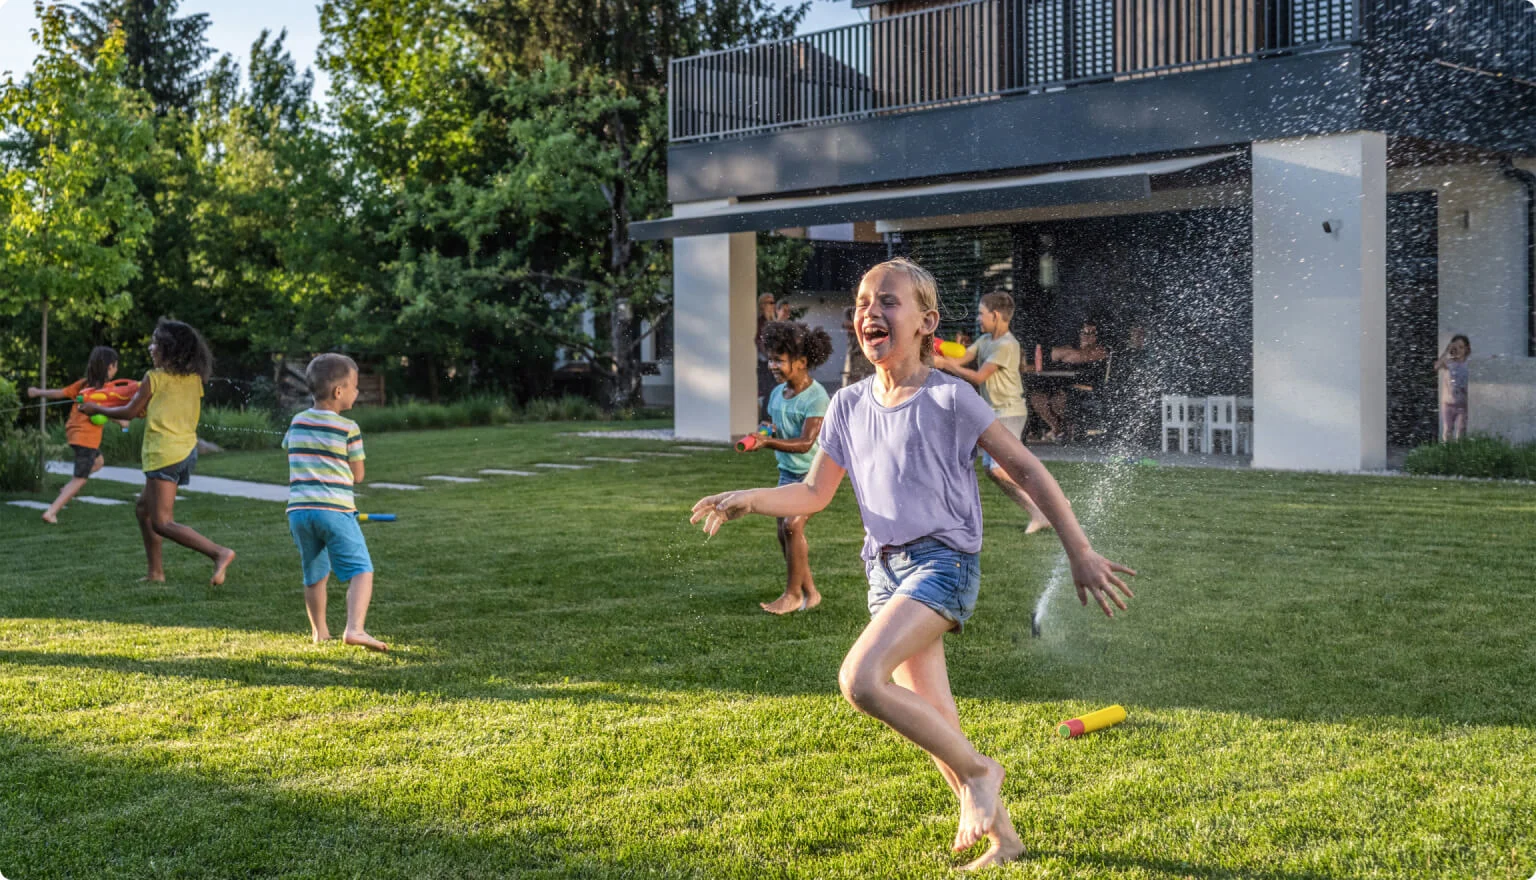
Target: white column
(714,301)
(1319,302)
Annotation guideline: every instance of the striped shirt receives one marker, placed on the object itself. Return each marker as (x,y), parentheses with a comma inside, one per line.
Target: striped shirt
(321,446)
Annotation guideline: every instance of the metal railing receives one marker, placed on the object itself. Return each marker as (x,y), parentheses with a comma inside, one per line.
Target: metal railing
(981,50)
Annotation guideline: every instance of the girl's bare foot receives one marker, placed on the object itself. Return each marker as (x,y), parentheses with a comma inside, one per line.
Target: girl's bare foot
(50,518)
(319,637)
(1005,844)
(980,800)
(812,598)
(220,566)
(788,603)
(362,639)
(154,577)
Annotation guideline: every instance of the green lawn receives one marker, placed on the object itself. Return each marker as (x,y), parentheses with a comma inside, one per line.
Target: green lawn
(1326,677)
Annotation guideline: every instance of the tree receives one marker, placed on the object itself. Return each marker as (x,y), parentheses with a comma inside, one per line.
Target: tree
(70,217)
(164,54)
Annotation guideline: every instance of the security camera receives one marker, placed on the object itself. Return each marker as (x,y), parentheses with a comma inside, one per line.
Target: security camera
(1331,226)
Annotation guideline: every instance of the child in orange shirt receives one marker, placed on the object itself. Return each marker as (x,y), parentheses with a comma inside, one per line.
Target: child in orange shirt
(82,436)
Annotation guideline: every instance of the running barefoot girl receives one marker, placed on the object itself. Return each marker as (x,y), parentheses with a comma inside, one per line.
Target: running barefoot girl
(796,406)
(84,438)
(907,437)
(170,398)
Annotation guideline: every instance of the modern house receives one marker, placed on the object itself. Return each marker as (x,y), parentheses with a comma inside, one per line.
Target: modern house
(1297,200)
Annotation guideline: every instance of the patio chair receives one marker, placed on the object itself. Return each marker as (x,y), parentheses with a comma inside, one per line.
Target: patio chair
(1184,418)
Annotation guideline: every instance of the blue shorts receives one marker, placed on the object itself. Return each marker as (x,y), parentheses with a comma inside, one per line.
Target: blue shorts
(326,539)
(179,473)
(787,478)
(927,571)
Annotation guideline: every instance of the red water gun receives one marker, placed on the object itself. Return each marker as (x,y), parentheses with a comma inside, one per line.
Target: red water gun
(114,393)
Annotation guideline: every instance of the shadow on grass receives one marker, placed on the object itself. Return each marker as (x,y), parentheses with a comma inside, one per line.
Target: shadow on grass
(1172,868)
(312,673)
(134,819)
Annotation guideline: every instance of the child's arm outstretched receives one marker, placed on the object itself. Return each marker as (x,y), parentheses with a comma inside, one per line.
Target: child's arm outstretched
(133,409)
(796,499)
(1091,572)
(47,393)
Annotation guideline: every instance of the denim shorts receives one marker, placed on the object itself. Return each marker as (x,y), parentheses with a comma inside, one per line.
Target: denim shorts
(788,477)
(1015,426)
(328,538)
(179,473)
(927,571)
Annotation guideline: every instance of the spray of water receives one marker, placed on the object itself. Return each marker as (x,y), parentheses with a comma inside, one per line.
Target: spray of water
(1094,509)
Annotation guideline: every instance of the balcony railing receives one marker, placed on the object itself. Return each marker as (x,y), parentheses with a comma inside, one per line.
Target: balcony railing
(981,50)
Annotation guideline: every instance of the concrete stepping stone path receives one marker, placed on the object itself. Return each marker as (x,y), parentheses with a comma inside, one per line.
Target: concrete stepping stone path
(30,505)
(447,479)
(92,499)
(209,485)
(606,458)
(502,472)
(564,467)
(404,487)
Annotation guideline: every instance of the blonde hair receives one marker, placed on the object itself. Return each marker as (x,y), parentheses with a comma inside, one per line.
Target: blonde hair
(924,286)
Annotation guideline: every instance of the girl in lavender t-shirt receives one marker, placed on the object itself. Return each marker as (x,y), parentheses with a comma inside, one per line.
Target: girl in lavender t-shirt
(907,438)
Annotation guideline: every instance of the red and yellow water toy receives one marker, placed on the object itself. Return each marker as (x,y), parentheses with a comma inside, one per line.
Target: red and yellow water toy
(114,393)
(753,441)
(1073,728)
(944,347)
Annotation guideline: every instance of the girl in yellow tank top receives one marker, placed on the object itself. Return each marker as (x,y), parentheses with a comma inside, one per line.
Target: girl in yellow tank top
(170,399)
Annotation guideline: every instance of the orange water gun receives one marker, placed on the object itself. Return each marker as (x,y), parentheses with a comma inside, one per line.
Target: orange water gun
(114,393)
(946,348)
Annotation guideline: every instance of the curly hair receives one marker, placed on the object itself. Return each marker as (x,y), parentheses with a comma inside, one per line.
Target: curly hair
(797,341)
(182,350)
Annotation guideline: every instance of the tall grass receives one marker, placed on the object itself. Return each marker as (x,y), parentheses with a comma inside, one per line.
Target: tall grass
(20,453)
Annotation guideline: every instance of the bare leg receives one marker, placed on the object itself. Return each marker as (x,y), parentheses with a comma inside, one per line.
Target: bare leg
(1460,424)
(926,675)
(66,494)
(1037,520)
(1041,404)
(359,592)
(901,630)
(799,590)
(314,606)
(162,501)
(151,537)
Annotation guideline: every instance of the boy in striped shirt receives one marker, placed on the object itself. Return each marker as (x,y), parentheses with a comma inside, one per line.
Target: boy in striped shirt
(325,459)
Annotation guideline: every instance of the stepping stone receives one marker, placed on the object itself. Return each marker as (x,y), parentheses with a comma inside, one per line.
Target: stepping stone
(499,472)
(701,448)
(210,485)
(30,505)
(565,467)
(455,479)
(403,486)
(92,499)
(662,454)
(605,458)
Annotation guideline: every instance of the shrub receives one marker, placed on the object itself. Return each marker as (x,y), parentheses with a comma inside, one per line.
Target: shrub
(20,452)
(414,415)
(240,428)
(1478,456)
(569,408)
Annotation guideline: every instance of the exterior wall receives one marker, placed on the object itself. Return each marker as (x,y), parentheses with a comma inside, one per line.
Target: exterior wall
(1501,398)
(1319,302)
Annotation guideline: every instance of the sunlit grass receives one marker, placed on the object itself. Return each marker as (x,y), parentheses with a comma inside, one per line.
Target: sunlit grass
(1326,677)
